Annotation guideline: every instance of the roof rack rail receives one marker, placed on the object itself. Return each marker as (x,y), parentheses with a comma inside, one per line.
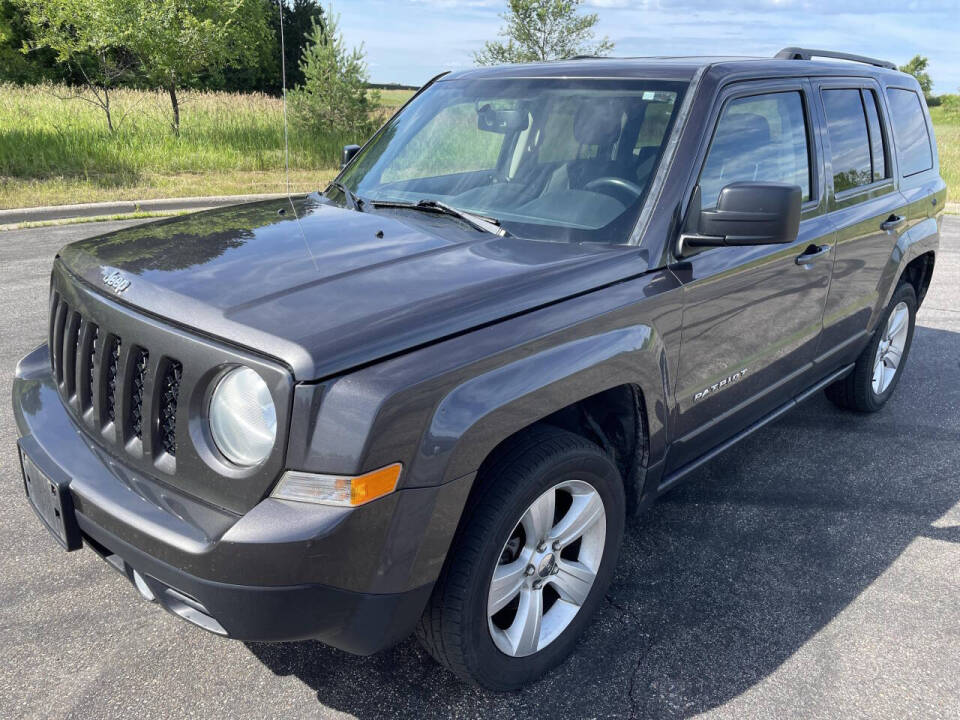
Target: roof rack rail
(798,53)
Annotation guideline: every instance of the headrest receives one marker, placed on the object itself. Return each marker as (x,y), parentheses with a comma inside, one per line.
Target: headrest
(597,123)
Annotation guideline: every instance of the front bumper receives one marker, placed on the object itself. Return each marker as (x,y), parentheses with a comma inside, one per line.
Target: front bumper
(353,578)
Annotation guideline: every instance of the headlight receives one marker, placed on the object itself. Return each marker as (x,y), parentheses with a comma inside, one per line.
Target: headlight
(243,418)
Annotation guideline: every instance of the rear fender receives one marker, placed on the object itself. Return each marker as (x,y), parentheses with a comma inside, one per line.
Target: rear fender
(921,237)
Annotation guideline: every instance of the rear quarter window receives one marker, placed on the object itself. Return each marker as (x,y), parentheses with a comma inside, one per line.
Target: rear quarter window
(909,131)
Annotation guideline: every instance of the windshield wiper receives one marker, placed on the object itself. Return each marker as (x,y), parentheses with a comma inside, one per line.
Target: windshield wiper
(480,222)
(354,201)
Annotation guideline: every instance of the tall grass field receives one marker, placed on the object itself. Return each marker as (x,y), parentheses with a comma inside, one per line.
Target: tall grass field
(946,126)
(55,147)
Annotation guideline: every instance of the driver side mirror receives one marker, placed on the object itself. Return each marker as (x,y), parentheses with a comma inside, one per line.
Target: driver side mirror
(747,213)
(347,155)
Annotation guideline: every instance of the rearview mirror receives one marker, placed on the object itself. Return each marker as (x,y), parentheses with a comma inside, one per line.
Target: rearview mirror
(347,155)
(747,213)
(503,122)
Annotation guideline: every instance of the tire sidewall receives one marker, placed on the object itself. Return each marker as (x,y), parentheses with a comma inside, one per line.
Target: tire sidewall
(485,658)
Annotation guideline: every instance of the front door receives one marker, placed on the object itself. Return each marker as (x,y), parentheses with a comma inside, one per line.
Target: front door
(752,315)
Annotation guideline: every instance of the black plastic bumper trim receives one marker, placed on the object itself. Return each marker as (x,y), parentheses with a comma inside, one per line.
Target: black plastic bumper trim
(360,623)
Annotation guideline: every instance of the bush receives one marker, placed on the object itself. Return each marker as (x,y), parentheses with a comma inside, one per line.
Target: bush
(950,104)
(334,95)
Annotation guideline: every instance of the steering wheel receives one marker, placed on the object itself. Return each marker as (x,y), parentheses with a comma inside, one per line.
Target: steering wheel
(617,187)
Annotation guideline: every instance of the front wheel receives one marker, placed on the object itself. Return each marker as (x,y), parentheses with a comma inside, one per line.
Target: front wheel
(880,365)
(531,563)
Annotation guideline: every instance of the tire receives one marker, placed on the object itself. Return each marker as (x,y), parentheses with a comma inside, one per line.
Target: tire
(456,628)
(859,390)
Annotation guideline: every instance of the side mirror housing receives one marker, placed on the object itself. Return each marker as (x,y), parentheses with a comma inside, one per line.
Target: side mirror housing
(347,155)
(747,213)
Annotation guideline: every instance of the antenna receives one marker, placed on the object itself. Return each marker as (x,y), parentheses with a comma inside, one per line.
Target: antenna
(286,139)
(283,82)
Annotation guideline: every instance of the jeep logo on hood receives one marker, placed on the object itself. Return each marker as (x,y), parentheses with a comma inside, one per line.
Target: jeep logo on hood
(115,280)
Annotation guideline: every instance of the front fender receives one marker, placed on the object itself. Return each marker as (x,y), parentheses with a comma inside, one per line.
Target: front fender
(480,413)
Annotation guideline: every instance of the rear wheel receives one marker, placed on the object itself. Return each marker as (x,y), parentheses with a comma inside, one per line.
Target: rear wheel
(880,365)
(531,564)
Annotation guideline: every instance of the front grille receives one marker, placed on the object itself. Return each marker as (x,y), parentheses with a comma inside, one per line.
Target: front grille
(113,369)
(169,395)
(109,383)
(91,363)
(131,381)
(136,399)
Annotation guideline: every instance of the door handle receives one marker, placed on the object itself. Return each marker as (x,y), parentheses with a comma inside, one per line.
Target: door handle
(812,253)
(892,222)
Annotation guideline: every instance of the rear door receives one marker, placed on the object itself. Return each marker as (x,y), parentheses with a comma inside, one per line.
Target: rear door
(866,208)
(752,315)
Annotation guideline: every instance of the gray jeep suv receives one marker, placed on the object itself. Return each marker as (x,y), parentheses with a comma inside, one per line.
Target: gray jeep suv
(428,398)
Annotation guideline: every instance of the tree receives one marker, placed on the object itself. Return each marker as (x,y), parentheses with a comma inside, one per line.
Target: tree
(538,30)
(16,66)
(262,73)
(300,18)
(918,68)
(176,40)
(334,93)
(88,35)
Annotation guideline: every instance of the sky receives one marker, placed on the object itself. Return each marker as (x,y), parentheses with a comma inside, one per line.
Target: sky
(410,41)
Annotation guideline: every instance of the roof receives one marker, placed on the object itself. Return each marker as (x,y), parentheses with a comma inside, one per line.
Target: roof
(671,68)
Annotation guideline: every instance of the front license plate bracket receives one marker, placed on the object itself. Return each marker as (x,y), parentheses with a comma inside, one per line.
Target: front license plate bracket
(52,501)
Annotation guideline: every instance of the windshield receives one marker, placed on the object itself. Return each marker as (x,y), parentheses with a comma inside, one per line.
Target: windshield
(553,159)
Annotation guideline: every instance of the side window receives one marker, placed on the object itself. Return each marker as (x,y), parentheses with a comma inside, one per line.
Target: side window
(450,143)
(909,131)
(758,138)
(877,145)
(849,139)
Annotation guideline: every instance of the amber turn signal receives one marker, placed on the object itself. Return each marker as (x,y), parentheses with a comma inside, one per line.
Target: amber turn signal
(340,490)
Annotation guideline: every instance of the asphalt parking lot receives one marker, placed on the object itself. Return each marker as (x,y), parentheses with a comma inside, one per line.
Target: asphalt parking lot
(813,571)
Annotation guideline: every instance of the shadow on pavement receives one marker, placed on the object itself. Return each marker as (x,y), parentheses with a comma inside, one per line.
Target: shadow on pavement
(726,577)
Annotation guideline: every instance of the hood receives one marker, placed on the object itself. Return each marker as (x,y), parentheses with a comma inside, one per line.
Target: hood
(337,288)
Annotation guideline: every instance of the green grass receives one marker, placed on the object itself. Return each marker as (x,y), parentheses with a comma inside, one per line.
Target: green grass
(93,219)
(946,126)
(393,99)
(55,149)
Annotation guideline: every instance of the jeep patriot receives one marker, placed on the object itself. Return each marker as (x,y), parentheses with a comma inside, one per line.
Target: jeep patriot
(427,399)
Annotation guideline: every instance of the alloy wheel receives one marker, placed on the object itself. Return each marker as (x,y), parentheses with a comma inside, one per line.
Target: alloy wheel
(546,568)
(890,348)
